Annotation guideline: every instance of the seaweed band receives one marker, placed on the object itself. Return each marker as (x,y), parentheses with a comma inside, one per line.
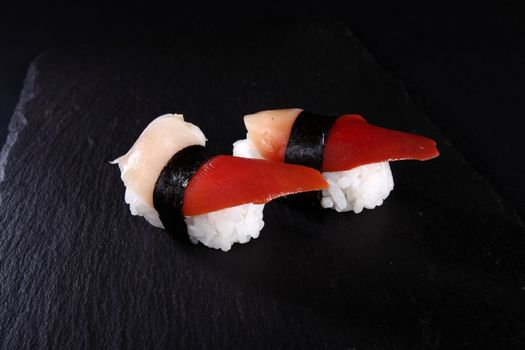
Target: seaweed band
(168,195)
(307,139)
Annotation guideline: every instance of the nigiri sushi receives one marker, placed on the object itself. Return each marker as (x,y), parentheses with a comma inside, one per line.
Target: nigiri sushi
(175,184)
(353,155)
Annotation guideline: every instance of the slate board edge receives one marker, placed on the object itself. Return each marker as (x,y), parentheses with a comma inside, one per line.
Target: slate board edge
(18,122)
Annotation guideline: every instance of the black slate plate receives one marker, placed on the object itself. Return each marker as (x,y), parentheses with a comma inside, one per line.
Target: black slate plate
(438,265)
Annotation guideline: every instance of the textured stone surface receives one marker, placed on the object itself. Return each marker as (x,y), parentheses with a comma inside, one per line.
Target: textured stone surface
(438,265)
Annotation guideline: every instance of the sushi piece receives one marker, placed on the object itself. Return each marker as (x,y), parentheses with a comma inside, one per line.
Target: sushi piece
(353,155)
(174,183)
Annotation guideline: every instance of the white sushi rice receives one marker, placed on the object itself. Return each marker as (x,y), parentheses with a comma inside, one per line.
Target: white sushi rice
(366,186)
(221,228)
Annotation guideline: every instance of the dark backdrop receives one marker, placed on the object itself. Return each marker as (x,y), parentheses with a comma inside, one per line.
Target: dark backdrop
(462,63)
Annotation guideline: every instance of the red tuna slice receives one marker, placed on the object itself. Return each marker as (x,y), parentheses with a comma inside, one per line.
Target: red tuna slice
(352,143)
(227,181)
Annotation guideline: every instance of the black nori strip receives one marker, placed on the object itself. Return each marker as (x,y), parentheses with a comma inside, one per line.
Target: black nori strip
(305,147)
(307,138)
(168,194)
